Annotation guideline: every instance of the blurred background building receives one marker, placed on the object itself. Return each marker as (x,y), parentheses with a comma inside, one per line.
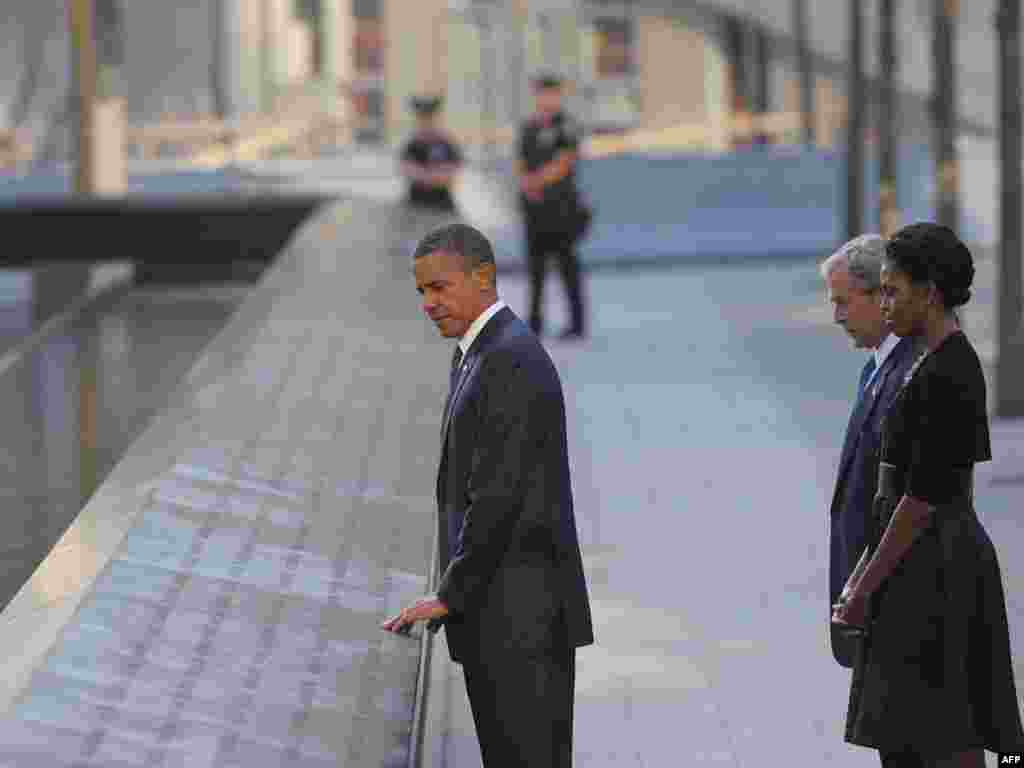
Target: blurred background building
(682,75)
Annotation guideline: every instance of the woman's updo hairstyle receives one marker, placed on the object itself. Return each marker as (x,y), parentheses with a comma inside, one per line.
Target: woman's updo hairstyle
(932,252)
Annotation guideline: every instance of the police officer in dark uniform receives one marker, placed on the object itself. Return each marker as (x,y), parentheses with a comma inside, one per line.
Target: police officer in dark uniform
(430,159)
(554,215)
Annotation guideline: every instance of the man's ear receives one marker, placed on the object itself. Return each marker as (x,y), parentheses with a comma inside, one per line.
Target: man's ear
(486,275)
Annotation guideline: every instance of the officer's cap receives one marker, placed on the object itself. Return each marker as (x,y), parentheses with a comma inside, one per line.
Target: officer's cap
(425,105)
(546,80)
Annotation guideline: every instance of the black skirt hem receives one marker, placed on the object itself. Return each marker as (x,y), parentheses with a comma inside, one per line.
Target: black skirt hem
(929,751)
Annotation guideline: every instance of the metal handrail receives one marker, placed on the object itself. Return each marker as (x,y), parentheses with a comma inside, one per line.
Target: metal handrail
(423,676)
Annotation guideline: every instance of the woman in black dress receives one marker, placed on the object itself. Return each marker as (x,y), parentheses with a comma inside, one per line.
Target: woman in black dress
(933,682)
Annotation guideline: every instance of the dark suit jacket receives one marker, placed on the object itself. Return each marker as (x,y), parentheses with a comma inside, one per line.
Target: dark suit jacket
(513,575)
(857,481)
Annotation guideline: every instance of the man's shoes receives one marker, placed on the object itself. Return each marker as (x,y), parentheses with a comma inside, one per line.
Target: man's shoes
(572,334)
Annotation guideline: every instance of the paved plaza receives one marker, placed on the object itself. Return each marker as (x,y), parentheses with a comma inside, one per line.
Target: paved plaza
(245,550)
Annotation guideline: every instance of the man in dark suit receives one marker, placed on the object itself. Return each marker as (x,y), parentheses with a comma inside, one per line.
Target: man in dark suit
(512,598)
(852,278)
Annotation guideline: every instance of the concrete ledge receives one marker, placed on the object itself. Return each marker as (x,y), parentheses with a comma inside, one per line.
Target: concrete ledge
(218,599)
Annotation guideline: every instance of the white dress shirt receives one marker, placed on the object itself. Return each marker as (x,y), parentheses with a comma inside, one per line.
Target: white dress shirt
(478,325)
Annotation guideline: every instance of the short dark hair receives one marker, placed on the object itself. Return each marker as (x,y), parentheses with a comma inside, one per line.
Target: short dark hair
(927,251)
(466,241)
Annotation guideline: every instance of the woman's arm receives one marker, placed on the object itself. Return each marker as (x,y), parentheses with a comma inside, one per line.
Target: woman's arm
(908,521)
(910,518)
(851,582)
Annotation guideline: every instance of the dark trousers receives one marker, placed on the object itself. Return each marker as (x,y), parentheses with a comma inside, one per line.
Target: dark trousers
(540,246)
(522,708)
(906,759)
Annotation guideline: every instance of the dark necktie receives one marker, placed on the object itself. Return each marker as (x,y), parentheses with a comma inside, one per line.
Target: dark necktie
(865,374)
(453,377)
(450,531)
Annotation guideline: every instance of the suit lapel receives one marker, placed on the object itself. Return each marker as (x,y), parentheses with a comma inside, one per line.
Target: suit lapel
(471,363)
(468,369)
(853,429)
(865,408)
(877,386)
(862,412)
(472,360)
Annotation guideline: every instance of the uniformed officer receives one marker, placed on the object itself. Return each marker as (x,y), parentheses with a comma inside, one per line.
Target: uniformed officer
(554,215)
(430,159)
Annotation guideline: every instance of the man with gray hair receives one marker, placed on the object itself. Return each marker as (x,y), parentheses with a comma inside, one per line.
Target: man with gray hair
(852,279)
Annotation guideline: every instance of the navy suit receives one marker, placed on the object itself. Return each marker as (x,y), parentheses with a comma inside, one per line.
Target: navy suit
(513,577)
(857,480)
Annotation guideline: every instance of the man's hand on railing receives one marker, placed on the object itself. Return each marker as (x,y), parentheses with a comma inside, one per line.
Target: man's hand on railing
(422,610)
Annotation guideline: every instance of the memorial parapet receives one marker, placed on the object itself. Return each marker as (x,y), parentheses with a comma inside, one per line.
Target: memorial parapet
(218,600)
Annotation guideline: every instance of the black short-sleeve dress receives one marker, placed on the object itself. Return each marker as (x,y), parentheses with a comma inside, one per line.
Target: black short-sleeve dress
(934,674)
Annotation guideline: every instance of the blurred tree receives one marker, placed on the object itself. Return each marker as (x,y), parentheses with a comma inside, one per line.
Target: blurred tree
(803,58)
(762,83)
(311,13)
(81,18)
(947,171)
(1009,384)
(217,71)
(855,108)
(33,60)
(95,29)
(889,216)
(109,47)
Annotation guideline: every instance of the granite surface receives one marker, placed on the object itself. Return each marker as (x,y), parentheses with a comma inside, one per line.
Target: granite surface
(217,601)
